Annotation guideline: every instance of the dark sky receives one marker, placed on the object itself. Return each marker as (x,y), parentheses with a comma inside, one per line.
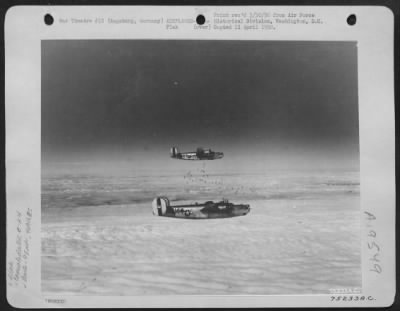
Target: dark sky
(136,98)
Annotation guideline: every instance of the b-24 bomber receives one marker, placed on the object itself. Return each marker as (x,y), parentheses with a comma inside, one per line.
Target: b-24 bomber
(223,209)
(199,154)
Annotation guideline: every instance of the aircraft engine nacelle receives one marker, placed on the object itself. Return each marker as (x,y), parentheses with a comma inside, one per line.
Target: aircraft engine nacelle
(160,206)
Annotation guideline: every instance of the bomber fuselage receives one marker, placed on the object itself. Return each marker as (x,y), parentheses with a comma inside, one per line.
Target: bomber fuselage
(222,209)
(199,154)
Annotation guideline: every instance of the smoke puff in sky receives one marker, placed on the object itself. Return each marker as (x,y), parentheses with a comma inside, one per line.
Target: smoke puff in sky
(133,99)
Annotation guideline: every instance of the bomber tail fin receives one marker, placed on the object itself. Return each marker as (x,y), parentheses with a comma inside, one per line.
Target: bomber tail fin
(162,207)
(174,152)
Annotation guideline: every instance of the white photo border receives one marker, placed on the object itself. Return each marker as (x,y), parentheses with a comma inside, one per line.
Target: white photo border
(374,34)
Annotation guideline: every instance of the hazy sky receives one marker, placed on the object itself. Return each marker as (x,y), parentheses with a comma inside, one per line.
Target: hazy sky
(130,100)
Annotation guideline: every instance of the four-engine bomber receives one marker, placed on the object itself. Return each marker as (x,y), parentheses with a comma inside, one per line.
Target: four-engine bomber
(199,154)
(223,209)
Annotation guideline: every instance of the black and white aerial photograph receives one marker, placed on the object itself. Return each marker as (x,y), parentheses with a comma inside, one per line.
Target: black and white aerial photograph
(199,167)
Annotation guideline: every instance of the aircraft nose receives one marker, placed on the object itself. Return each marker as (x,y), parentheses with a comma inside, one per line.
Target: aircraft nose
(245,209)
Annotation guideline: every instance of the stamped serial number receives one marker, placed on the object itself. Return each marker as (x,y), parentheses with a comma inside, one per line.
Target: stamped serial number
(345,290)
(352,298)
(55,300)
